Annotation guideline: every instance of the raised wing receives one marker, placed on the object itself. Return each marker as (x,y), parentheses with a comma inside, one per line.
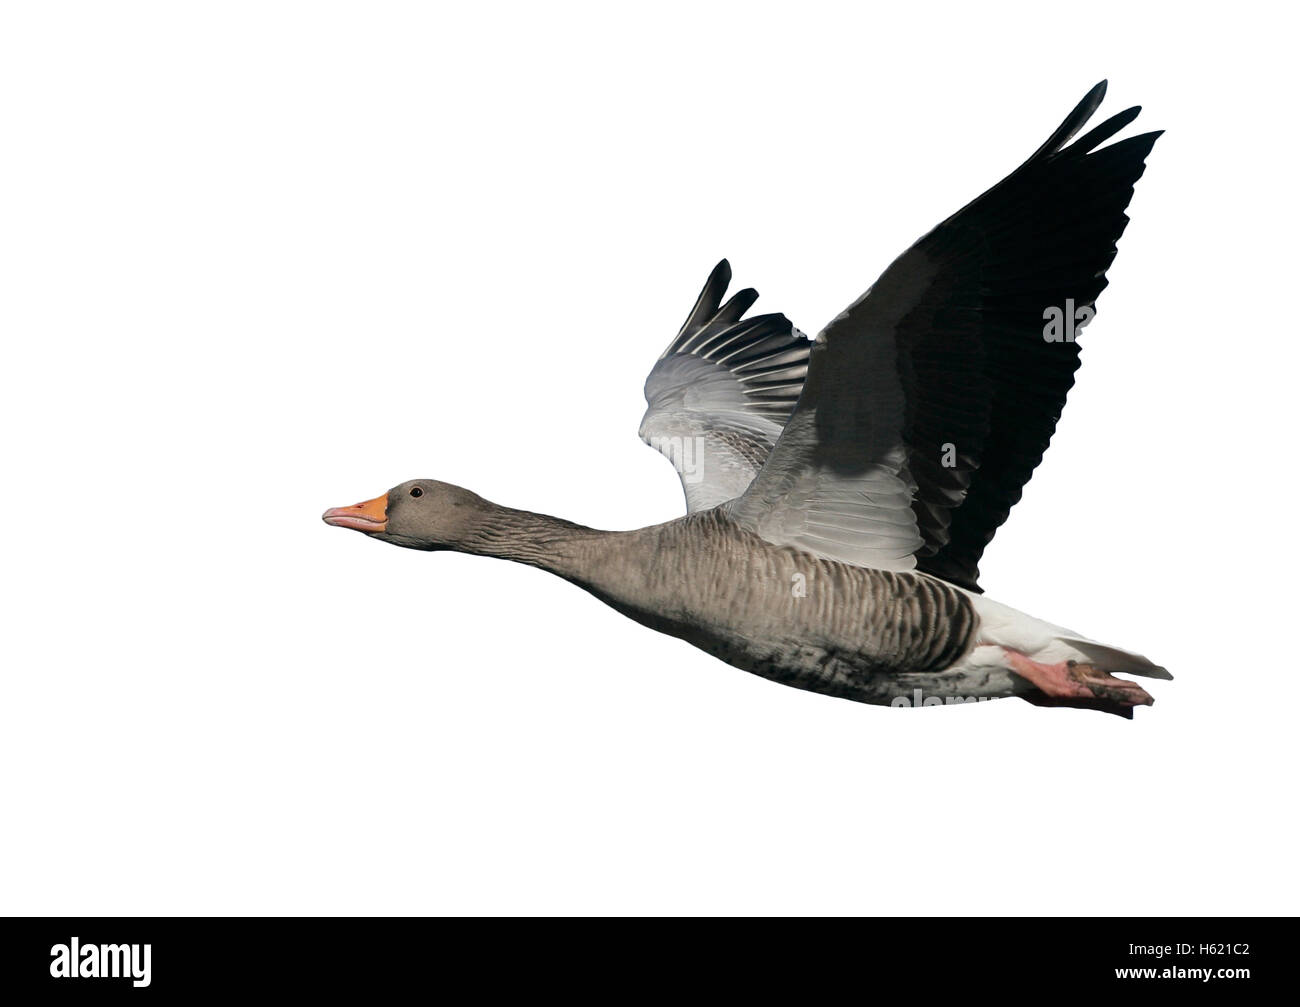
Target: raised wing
(721,392)
(930,401)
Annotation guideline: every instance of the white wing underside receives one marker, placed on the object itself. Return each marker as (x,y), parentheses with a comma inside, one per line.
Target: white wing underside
(814,494)
(720,394)
(865,519)
(698,420)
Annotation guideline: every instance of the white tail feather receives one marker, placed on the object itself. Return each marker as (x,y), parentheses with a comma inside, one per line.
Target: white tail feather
(1004,626)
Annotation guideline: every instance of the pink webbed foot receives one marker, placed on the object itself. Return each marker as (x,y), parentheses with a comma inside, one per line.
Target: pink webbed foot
(1071,680)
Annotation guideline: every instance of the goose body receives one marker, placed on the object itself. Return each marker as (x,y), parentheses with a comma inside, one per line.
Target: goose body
(841,491)
(776,611)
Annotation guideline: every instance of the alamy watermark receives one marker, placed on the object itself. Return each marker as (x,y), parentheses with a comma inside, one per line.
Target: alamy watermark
(1063,324)
(101,961)
(919,699)
(686,454)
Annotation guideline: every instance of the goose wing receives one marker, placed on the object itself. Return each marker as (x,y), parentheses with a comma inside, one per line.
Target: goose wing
(931,399)
(721,392)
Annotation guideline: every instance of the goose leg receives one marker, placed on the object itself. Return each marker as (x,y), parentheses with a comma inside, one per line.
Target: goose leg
(1071,680)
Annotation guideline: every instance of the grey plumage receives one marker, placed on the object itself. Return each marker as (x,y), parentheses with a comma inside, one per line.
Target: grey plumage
(798,619)
(840,493)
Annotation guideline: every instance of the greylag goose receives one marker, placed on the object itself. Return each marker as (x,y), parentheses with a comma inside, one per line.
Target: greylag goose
(841,491)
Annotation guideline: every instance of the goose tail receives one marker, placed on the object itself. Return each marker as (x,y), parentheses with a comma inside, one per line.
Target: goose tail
(1113,659)
(1059,667)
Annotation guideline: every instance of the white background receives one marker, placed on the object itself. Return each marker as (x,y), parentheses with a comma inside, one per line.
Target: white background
(261,259)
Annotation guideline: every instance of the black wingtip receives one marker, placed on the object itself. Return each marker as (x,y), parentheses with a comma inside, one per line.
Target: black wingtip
(1090,102)
(707,304)
(719,279)
(731,312)
(1065,132)
(1096,137)
(1075,120)
(748,296)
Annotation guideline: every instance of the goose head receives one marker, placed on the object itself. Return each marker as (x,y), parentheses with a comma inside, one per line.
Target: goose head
(419,514)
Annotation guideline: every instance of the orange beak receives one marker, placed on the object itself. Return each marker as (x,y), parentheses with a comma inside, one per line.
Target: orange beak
(369,516)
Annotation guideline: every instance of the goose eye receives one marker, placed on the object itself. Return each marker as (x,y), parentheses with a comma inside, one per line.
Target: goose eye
(417,492)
